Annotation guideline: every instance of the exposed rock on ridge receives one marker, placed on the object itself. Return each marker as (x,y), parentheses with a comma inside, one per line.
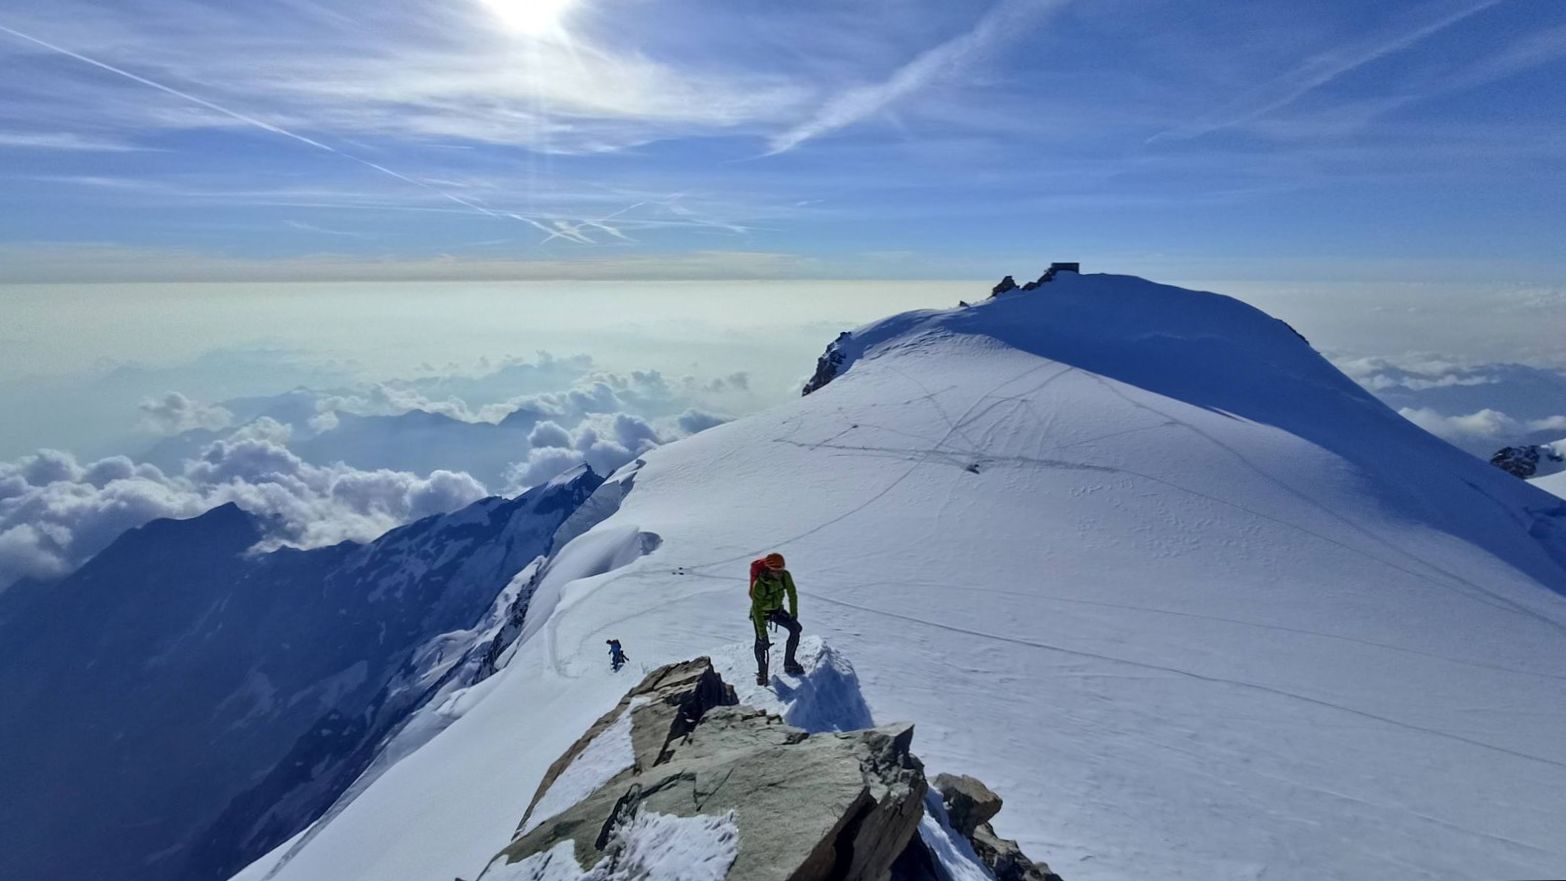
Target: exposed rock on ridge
(1526,461)
(971,805)
(793,806)
(829,363)
(1009,284)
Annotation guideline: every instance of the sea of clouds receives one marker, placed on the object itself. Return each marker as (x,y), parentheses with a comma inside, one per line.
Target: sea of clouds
(349,462)
(1477,407)
(346,464)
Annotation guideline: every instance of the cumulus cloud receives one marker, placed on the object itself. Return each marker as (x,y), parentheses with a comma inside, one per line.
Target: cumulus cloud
(581,392)
(174,413)
(603,441)
(739,381)
(695,421)
(549,434)
(604,419)
(1487,425)
(312,490)
(388,399)
(265,428)
(25,553)
(543,463)
(1477,406)
(55,513)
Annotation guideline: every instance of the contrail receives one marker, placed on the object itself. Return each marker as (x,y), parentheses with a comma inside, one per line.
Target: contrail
(601,223)
(560,230)
(267,126)
(1321,71)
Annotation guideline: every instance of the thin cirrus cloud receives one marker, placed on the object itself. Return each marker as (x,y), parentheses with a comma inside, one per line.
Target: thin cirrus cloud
(438,95)
(819,129)
(337,75)
(1007,20)
(67,141)
(584,94)
(269,127)
(1323,69)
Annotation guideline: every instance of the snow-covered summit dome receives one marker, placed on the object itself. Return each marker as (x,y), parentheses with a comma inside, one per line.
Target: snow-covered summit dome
(1194,603)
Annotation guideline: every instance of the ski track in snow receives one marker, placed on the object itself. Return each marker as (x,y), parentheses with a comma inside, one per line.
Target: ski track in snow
(1188,673)
(1501,602)
(961,459)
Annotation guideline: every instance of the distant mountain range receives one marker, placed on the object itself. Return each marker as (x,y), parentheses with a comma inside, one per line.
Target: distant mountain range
(181,704)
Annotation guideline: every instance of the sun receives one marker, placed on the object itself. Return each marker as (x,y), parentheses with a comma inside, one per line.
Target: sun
(533,18)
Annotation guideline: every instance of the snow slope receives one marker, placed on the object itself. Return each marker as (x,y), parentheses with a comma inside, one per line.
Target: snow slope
(1191,601)
(1552,483)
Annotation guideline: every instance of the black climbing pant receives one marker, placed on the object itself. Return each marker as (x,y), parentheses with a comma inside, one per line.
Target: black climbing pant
(787,622)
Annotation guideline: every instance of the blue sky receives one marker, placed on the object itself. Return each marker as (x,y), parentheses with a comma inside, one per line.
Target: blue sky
(187,139)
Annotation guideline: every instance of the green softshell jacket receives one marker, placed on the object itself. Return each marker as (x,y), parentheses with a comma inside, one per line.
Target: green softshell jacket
(766,595)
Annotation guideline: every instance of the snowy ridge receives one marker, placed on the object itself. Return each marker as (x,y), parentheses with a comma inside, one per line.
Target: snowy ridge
(1552,483)
(1196,603)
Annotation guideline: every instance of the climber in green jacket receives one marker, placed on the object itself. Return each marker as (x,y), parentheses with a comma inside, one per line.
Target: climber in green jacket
(770,583)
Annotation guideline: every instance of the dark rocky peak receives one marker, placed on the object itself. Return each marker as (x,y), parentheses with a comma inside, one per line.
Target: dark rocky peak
(227,524)
(829,363)
(1009,284)
(1529,460)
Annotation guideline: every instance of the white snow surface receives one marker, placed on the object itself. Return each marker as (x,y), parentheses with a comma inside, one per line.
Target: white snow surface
(826,698)
(605,756)
(657,847)
(1192,602)
(1552,483)
(946,845)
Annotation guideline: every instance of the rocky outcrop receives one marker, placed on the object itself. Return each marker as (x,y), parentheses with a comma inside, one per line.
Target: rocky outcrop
(829,363)
(1527,460)
(970,805)
(787,805)
(1009,284)
(664,707)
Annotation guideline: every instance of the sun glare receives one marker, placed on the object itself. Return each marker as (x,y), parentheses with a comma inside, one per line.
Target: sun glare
(534,18)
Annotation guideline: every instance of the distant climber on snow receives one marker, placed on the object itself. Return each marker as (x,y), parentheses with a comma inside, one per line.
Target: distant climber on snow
(769,584)
(617,655)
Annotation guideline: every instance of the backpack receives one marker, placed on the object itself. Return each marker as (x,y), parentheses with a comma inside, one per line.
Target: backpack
(757,566)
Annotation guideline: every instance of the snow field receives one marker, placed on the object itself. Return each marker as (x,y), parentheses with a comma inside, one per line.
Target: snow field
(1192,603)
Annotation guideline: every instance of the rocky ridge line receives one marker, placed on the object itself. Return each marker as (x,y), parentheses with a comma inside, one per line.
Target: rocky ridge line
(774,802)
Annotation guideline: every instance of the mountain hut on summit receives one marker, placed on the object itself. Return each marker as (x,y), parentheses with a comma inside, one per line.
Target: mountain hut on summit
(1009,284)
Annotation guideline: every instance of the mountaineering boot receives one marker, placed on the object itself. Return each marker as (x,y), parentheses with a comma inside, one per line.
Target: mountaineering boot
(792,668)
(763,655)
